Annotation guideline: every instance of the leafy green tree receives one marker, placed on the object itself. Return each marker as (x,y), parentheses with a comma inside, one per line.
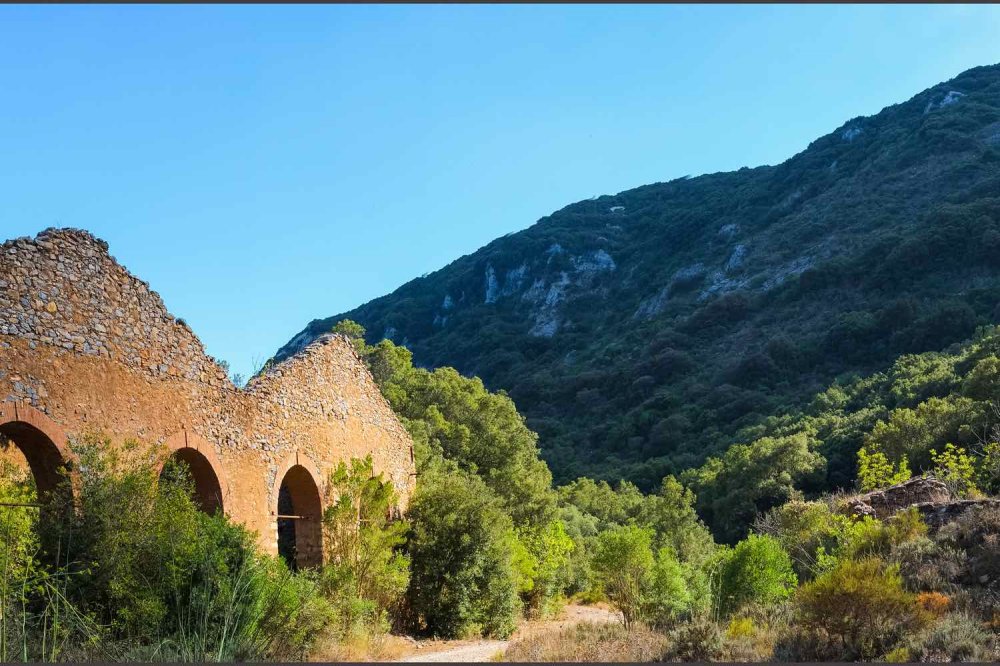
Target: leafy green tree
(365,565)
(456,418)
(933,423)
(677,590)
(463,580)
(591,507)
(750,479)
(354,331)
(668,597)
(623,560)
(351,329)
(465,433)
(545,567)
(757,572)
(672,516)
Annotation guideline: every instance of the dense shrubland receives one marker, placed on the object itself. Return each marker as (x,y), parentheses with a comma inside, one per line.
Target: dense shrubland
(137,572)
(797,557)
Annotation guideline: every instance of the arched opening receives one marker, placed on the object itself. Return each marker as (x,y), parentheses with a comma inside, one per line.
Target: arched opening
(35,451)
(43,456)
(300,531)
(207,489)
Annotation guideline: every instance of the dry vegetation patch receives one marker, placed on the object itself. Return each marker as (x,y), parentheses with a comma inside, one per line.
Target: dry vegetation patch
(590,642)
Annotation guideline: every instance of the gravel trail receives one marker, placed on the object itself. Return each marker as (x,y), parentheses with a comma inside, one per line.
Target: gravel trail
(485,650)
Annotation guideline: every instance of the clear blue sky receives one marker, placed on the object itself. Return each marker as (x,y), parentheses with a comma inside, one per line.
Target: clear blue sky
(263,166)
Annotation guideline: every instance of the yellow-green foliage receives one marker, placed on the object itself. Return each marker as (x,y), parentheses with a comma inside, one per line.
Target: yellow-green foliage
(19,543)
(956,468)
(862,603)
(624,561)
(540,559)
(365,573)
(875,470)
(900,655)
(806,530)
(915,432)
(757,572)
(740,627)
(863,537)
(989,468)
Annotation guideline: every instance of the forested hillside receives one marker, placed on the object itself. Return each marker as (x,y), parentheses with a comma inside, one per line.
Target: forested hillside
(641,332)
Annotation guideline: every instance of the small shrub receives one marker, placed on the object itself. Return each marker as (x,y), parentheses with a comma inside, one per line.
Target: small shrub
(927,565)
(798,644)
(697,640)
(906,525)
(976,535)
(858,538)
(757,572)
(740,627)
(956,637)
(862,604)
(900,655)
(803,528)
(935,603)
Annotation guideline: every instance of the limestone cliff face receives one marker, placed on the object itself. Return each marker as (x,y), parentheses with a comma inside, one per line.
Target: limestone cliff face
(87,347)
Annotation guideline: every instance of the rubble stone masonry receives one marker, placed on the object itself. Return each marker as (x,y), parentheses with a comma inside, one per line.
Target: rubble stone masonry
(86,347)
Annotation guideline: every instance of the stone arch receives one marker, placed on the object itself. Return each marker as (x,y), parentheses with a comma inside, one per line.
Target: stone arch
(298,513)
(206,470)
(42,442)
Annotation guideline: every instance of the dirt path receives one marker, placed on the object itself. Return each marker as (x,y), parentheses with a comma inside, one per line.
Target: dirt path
(486,650)
(473,652)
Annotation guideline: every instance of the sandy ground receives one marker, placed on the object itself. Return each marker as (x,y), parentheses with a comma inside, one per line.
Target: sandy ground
(487,650)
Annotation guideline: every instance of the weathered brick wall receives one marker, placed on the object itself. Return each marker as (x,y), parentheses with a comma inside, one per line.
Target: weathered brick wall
(94,349)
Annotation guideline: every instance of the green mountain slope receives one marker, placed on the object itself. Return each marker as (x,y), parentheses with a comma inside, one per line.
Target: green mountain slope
(640,332)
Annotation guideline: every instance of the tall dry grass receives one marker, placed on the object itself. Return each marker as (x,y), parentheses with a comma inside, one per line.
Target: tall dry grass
(590,642)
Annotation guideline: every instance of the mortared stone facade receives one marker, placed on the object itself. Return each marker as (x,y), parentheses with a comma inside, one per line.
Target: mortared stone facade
(86,347)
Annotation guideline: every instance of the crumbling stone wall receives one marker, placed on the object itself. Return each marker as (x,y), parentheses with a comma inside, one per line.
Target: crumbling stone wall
(88,347)
(930,496)
(885,502)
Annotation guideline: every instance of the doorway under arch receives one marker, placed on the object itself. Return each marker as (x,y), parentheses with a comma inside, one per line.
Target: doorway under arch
(41,443)
(207,488)
(299,516)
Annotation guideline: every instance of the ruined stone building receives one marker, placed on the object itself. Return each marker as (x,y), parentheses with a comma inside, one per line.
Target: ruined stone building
(86,347)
